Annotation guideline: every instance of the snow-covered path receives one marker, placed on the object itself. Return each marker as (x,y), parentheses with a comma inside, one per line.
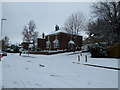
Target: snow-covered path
(57,71)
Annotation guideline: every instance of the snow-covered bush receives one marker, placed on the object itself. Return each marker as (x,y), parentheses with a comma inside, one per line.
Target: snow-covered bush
(98,51)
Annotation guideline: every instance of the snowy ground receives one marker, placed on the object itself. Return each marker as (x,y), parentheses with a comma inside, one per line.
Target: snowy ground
(0,75)
(57,71)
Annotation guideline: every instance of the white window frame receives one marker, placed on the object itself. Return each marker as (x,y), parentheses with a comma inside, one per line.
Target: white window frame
(56,43)
(48,38)
(48,44)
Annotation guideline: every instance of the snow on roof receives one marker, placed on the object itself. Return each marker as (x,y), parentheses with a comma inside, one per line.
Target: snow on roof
(61,30)
(71,42)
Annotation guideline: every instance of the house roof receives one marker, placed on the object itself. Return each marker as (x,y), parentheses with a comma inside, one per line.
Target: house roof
(58,31)
(61,30)
(41,38)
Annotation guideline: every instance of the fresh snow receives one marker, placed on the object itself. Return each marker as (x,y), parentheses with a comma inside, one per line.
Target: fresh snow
(0,75)
(57,71)
(58,31)
(61,30)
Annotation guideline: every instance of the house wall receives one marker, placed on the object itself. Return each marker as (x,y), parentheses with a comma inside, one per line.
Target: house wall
(41,44)
(52,38)
(63,41)
(79,41)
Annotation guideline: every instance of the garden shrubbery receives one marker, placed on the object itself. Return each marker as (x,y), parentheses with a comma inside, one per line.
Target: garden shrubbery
(104,51)
(98,51)
(114,50)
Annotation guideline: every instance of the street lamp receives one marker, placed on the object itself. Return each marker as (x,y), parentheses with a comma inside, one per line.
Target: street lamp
(3,19)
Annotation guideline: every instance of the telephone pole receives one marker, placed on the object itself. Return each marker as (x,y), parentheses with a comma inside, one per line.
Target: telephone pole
(2,20)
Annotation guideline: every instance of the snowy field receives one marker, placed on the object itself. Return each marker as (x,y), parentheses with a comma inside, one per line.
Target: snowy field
(57,71)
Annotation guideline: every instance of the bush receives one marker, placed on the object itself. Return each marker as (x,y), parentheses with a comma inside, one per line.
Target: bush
(15,49)
(114,50)
(98,51)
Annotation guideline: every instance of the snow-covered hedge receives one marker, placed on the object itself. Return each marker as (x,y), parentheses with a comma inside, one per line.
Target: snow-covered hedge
(98,51)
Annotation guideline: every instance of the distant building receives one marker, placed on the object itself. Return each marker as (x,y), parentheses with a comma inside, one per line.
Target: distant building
(25,45)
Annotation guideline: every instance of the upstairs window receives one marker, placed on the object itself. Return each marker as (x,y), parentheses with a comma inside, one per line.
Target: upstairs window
(48,38)
(56,43)
(48,44)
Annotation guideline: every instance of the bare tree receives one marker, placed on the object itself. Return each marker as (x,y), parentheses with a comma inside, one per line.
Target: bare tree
(109,14)
(6,40)
(75,23)
(5,43)
(29,33)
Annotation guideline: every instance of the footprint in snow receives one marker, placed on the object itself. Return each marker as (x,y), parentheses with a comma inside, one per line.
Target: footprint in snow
(41,65)
(55,76)
(28,61)
(26,68)
(15,83)
(38,84)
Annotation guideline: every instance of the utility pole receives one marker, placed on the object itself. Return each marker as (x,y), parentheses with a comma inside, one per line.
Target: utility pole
(2,20)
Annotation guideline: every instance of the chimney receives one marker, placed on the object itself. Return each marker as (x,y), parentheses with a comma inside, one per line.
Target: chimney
(56,28)
(43,35)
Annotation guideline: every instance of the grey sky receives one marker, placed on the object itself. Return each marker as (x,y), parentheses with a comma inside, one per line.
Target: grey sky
(46,16)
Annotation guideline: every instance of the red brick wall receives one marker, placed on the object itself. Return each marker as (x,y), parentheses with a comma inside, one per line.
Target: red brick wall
(63,41)
(41,43)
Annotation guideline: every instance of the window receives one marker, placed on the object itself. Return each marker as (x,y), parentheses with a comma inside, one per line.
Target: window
(56,43)
(48,38)
(56,37)
(48,44)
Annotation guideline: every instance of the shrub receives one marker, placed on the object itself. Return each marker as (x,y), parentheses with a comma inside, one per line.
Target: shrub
(98,51)
(114,50)
(15,49)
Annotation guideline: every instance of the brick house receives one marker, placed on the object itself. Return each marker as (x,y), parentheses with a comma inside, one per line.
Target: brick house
(59,40)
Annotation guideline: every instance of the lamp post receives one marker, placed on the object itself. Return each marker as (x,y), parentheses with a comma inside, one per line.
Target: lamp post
(3,19)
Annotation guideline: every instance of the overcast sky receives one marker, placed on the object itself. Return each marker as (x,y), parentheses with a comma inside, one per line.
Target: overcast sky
(46,16)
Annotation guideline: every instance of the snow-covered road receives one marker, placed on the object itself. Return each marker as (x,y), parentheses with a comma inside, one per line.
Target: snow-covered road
(57,71)
(0,75)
